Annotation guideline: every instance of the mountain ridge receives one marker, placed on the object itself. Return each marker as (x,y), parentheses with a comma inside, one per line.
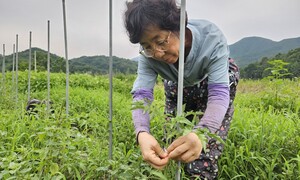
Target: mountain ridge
(245,51)
(252,49)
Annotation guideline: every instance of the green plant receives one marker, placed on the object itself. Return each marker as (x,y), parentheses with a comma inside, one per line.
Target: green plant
(263,141)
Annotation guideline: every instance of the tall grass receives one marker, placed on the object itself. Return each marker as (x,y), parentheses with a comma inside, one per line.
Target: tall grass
(263,142)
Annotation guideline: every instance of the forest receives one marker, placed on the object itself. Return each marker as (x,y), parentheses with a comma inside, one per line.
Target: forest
(289,66)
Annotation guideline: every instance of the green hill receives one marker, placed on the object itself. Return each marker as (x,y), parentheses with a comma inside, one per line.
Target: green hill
(100,65)
(84,64)
(41,60)
(252,49)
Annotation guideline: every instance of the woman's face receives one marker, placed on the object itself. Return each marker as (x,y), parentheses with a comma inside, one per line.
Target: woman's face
(161,45)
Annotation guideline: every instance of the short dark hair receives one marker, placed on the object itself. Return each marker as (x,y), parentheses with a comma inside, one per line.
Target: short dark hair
(164,14)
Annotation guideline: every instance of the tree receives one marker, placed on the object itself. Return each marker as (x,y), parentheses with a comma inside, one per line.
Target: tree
(252,71)
(277,69)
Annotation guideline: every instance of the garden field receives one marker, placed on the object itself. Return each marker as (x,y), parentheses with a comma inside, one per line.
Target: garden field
(263,142)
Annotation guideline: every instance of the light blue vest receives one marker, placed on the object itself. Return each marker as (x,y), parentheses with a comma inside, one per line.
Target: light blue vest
(208,58)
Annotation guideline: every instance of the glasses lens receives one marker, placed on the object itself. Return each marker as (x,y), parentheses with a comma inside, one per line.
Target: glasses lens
(164,45)
(161,47)
(147,53)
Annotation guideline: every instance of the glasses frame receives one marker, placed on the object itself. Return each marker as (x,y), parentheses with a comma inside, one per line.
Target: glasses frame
(151,52)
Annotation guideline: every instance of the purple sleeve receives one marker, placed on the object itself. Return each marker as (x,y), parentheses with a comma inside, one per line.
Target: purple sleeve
(141,119)
(217,105)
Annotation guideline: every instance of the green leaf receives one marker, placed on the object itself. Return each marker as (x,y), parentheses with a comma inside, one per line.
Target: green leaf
(159,174)
(102,169)
(54,168)
(25,171)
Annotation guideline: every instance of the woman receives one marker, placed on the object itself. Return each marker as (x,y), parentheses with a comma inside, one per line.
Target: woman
(155,25)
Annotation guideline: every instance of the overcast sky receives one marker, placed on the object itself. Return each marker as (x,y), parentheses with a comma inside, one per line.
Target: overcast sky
(88,28)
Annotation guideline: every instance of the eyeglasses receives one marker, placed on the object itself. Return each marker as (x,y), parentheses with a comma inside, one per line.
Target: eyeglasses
(160,46)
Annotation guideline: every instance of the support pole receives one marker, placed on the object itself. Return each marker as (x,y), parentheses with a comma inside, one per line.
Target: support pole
(29,65)
(48,69)
(110,82)
(66,57)
(13,68)
(34,61)
(3,70)
(17,67)
(181,72)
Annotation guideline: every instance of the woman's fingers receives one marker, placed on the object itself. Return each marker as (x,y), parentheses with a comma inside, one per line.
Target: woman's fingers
(152,152)
(186,148)
(175,144)
(179,150)
(188,157)
(159,158)
(157,162)
(159,151)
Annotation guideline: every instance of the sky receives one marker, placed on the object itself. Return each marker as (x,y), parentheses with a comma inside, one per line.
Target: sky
(88,23)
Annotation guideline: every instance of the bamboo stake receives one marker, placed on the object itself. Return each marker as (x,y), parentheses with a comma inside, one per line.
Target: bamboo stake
(66,57)
(110,82)
(181,72)
(29,65)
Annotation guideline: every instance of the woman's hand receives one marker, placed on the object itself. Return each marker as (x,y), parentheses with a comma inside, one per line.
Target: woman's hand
(186,148)
(151,151)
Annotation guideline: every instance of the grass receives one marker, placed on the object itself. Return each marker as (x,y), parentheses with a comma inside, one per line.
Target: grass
(263,142)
